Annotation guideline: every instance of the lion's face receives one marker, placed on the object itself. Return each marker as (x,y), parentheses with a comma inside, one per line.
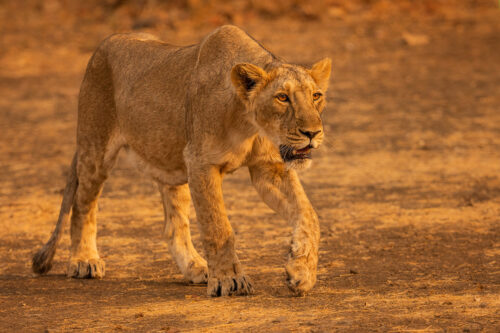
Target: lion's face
(287,104)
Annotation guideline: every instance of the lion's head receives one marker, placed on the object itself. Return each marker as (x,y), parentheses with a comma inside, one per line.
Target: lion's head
(286,104)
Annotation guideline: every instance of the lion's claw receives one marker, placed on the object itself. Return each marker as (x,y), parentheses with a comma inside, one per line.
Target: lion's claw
(227,286)
(91,269)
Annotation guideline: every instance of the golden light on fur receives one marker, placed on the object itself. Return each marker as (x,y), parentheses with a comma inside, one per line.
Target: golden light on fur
(215,106)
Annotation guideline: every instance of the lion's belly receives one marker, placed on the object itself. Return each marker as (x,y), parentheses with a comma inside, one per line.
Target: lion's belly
(155,135)
(172,176)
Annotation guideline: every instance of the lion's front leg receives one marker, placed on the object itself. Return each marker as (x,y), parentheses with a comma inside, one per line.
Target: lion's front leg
(225,274)
(281,190)
(176,202)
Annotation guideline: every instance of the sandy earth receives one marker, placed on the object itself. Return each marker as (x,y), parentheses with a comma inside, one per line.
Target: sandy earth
(407,186)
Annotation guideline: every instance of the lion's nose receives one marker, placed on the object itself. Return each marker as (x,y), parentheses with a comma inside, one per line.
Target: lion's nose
(310,134)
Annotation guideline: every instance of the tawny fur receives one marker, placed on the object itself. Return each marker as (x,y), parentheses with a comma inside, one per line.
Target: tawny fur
(189,115)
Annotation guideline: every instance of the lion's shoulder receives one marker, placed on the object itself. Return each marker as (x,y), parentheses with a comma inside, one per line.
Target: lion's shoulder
(228,45)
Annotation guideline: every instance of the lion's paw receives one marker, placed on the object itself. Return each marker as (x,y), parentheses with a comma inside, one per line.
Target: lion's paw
(300,276)
(197,271)
(227,286)
(88,269)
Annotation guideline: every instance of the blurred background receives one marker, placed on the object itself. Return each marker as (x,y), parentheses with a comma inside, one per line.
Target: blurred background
(62,26)
(406,184)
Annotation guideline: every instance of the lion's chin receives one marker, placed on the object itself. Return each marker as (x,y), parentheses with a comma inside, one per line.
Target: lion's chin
(299,164)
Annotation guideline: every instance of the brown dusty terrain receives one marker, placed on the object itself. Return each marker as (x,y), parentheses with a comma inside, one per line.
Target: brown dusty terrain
(407,187)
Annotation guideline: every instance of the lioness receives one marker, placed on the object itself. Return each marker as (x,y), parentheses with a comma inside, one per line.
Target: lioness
(190,115)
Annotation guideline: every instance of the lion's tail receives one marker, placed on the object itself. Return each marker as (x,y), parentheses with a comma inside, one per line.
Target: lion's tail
(42,260)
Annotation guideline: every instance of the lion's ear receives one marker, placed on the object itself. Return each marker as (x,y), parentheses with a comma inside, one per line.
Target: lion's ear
(247,78)
(320,72)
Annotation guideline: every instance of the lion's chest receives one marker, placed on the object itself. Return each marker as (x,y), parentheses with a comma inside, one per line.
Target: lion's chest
(232,154)
(235,156)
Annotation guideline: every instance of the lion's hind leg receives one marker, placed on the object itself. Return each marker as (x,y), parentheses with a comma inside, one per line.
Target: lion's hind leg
(176,201)
(98,143)
(95,161)
(85,261)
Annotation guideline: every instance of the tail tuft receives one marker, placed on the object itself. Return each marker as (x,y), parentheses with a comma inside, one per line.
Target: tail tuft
(42,260)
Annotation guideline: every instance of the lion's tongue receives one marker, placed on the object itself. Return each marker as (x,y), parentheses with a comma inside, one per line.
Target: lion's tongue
(304,150)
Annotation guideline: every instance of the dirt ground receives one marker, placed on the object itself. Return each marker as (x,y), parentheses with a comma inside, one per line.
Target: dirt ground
(407,185)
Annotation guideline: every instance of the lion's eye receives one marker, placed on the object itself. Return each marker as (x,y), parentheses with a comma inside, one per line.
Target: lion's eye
(282,97)
(317,96)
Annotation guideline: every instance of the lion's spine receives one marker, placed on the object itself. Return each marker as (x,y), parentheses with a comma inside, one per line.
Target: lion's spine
(42,260)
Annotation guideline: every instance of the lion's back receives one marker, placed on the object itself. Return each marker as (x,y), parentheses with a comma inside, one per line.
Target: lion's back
(132,56)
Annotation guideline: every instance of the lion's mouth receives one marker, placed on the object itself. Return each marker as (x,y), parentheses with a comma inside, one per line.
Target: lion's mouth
(289,153)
